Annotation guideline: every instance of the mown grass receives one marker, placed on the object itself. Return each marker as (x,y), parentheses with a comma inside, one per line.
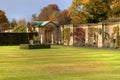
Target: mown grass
(59,63)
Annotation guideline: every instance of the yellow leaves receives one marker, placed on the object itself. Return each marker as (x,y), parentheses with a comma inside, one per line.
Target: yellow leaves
(70,10)
(115,4)
(85,1)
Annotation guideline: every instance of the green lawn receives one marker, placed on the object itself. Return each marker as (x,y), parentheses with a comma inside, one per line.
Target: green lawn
(59,63)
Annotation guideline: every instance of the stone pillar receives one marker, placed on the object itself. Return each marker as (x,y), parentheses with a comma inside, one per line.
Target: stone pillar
(61,34)
(52,38)
(39,34)
(71,35)
(42,36)
(55,36)
(86,35)
(100,38)
(41,39)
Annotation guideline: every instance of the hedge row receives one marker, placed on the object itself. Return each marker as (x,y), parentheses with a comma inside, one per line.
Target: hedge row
(15,38)
(35,46)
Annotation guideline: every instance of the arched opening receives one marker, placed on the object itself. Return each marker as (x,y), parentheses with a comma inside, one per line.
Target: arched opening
(50,34)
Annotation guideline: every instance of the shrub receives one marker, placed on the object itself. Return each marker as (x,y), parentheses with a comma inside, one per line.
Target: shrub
(40,46)
(83,45)
(106,46)
(88,45)
(78,44)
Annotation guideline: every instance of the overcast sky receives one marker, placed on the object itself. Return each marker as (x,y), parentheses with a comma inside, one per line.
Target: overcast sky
(25,8)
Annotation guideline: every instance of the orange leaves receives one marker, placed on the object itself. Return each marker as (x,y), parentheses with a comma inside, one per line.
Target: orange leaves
(2,12)
(52,17)
(85,1)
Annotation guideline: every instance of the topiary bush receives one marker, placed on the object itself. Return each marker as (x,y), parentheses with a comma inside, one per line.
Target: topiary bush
(35,46)
(84,45)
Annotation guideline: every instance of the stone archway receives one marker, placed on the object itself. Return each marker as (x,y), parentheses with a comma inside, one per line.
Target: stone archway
(50,34)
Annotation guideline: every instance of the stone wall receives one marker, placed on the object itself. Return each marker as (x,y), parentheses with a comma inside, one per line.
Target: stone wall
(100,34)
(67,34)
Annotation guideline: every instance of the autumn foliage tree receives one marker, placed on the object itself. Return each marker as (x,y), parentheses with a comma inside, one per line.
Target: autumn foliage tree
(62,17)
(93,11)
(4,24)
(47,12)
(75,13)
(53,13)
(21,26)
(98,10)
(65,17)
(115,7)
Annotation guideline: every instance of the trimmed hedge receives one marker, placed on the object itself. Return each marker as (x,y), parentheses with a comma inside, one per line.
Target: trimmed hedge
(35,46)
(83,45)
(15,38)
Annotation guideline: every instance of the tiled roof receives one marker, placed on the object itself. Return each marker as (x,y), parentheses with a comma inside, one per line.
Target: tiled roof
(42,23)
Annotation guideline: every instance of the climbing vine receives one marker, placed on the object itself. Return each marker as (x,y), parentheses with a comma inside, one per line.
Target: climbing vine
(116,33)
(79,35)
(92,35)
(66,35)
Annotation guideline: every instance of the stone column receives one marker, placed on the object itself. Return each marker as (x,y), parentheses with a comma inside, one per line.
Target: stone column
(100,38)
(55,36)
(71,35)
(86,35)
(52,38)
(42,36)
(61,35)
(39,34)
(41,39)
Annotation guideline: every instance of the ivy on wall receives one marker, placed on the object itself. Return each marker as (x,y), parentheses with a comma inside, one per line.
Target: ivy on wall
(79,35)
(115,36)
(107,36)
(116,31)
(66,35)
(92,35)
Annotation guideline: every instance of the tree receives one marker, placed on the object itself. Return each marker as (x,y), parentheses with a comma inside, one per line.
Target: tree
(76,12)
(21,26)
(34,17)
(98,10)
(115,7)
(61,17)
(21,22)
(4,23)
(54,16)
(19,29)
(46,12)
(65,17)
(89,11)
(13,23)
(30,27)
